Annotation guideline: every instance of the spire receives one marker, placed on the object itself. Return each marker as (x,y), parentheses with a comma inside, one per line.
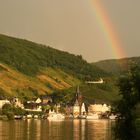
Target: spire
(78,96)
(77,92)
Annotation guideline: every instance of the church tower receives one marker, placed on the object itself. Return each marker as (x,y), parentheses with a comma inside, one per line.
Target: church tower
(78,96)
(77,104)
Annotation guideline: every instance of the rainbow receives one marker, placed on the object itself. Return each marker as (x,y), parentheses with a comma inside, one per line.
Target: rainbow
(107,30)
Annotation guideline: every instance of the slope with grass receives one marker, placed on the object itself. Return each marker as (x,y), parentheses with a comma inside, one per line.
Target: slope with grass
(15,83)
(93,93)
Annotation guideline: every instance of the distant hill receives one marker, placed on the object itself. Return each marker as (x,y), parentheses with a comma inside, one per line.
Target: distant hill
(31,69)
(117,66)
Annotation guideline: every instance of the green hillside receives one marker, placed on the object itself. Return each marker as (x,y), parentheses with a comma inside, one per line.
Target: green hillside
(117,66)
(15,83)
(29,58)
(29,69)
(93,93)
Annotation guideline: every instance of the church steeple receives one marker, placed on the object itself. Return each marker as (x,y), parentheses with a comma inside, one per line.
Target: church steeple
(77,92)
(78,95)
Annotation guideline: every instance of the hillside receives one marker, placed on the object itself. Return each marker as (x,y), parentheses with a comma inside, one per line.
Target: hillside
(14,83)
(28,58)
(117,66)
(29,69)
(93,93)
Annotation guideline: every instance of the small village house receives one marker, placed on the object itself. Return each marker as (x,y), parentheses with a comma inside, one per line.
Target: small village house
(33,105)
(3,102)
(99,108)
(17,102)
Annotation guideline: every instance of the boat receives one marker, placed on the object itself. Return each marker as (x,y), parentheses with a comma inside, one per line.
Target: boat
(112,117)
(18,117)
(82,116)
(29,116)
(92,116)
(53,116)
(70,116)
(35,116)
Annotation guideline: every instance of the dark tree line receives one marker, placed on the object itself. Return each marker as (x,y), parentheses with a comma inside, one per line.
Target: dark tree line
(129,86)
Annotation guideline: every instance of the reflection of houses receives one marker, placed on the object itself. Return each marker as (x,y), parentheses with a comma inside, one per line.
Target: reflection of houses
(98,108)
(3,102)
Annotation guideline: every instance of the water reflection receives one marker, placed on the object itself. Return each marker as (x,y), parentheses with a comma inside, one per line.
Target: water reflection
(63,130)
(97,130)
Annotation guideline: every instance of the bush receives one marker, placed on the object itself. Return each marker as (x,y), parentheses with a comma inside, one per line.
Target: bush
(10,115)
(10,111)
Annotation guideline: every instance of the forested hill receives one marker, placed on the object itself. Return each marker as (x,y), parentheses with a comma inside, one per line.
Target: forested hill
(117,66)
(28,69)
(28,57)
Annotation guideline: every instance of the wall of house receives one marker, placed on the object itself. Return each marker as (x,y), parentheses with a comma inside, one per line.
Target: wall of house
(3,102)
(98,108)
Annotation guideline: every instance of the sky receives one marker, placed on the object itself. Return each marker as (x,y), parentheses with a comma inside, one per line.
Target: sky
(73,25)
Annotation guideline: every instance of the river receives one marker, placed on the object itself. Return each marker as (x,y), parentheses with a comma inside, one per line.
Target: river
(62,130)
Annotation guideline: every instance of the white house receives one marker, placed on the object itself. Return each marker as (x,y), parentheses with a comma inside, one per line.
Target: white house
(83,109)
(17,103)
(98,108)
(38,101)
(3,102)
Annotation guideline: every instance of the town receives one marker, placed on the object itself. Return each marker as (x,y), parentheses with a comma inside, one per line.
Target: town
(43,107)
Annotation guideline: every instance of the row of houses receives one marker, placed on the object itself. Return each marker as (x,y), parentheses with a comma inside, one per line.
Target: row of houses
(78,107)
(30,105)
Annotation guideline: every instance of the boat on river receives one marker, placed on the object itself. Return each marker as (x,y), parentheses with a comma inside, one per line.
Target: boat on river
(29,116)
(92,116)
(112,117)
(17,117)
(82,116)
(53,116)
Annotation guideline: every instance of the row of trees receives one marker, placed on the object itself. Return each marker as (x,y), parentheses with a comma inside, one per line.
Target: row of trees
(129,85)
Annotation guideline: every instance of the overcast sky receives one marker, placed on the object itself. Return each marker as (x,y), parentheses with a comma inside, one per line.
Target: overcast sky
(71,25)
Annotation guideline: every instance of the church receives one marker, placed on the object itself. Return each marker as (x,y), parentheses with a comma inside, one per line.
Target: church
(78,107)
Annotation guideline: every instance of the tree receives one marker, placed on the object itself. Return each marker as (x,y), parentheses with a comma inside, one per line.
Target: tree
(10,111)
(130,91)
(7,110)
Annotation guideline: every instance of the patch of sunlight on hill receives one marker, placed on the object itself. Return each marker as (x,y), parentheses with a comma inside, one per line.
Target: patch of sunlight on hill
(58,78)
(15,83)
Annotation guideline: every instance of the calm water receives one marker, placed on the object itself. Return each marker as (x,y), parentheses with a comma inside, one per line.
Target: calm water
(62,130)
